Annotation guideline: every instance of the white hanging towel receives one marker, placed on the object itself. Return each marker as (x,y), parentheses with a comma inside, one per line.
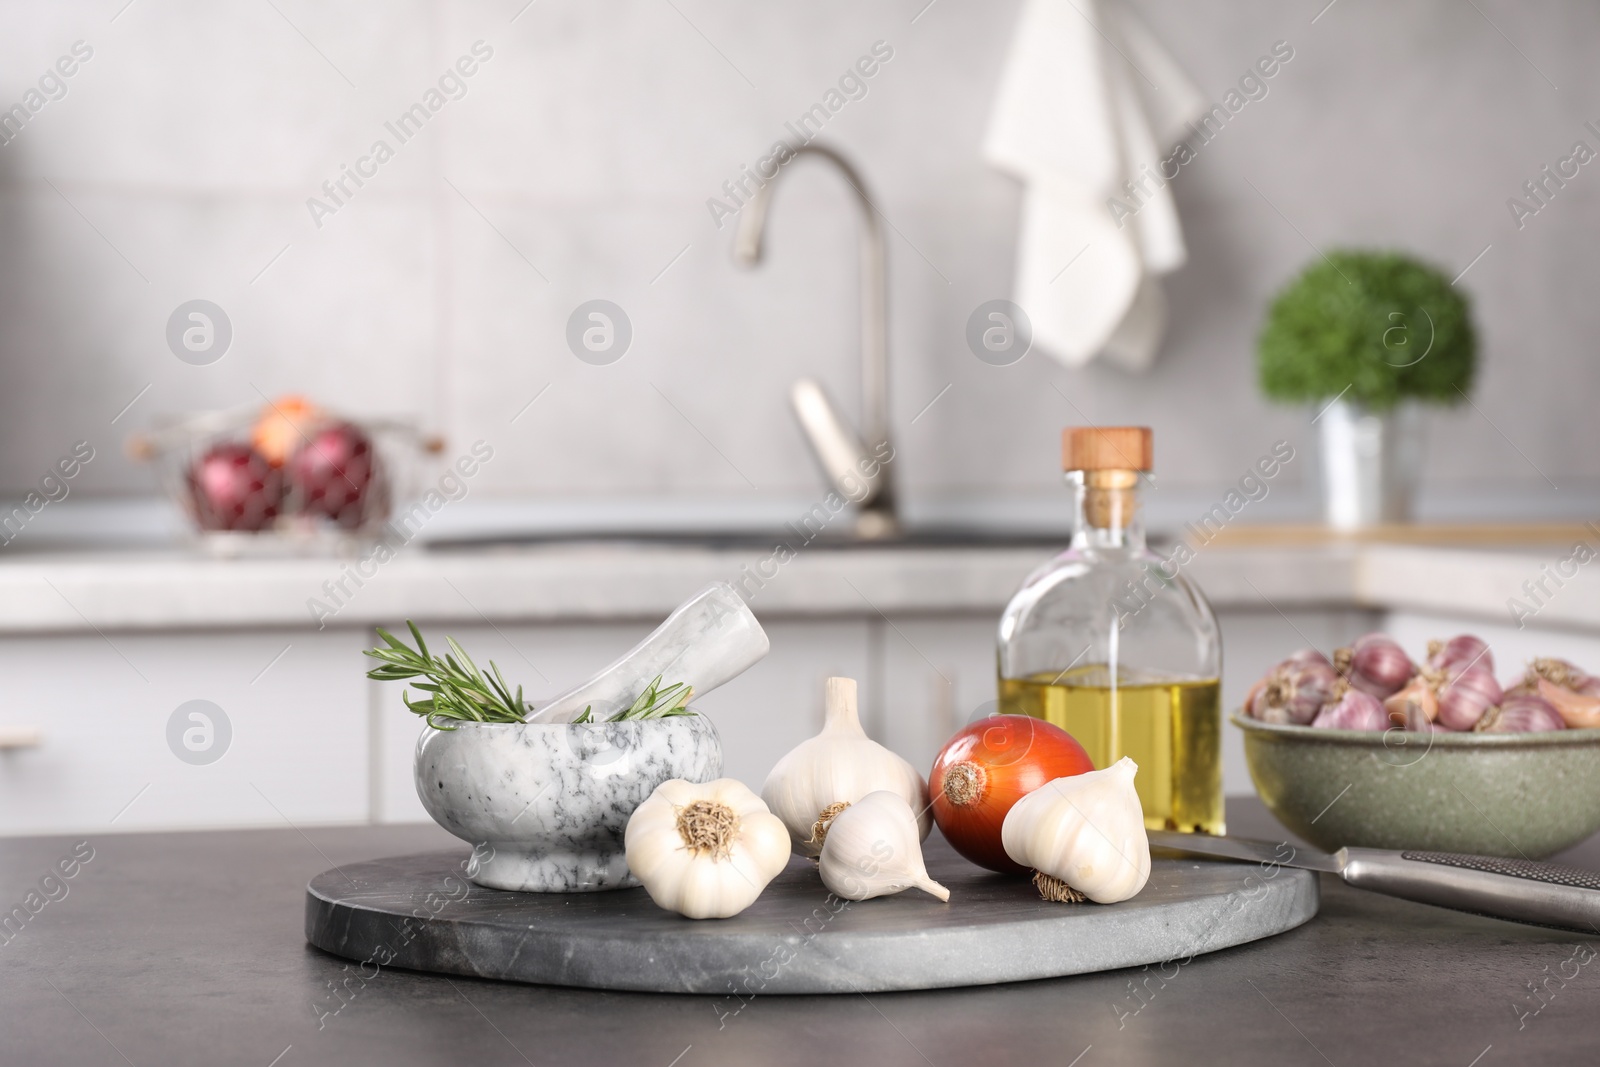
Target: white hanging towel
(1088,98)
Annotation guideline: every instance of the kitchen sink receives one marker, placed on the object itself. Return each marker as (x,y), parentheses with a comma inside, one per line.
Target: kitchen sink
(916,537)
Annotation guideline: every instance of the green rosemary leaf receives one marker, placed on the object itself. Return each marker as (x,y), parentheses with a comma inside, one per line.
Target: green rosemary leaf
(422,646)
(456,690)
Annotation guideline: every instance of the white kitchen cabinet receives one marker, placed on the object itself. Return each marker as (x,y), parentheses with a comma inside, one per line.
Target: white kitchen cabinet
(293,750)
(938,675)
(760,715)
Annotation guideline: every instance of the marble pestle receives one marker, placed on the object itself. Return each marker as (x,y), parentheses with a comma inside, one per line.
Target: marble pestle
(709,639)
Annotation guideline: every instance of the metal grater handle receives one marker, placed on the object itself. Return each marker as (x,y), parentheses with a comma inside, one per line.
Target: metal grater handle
(1553,873)
(1541,894)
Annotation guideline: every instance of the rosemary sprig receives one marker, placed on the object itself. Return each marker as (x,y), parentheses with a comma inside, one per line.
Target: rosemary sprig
(656,702)
(461,692)
(459,689)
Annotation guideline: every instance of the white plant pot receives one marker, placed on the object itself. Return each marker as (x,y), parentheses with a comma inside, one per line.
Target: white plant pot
(1371,463)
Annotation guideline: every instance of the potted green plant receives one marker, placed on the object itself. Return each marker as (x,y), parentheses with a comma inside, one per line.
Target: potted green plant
(1368,339)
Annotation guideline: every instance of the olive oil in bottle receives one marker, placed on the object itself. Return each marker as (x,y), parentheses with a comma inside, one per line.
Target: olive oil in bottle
(1170,728)
(1116,646)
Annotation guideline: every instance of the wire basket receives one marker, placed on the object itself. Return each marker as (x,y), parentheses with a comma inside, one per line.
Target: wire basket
(286,478)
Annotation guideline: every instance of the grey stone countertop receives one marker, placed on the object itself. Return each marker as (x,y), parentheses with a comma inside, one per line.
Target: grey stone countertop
(179,949)
(170,589)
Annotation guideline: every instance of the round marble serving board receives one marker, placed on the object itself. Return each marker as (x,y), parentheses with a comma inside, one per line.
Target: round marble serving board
(418,912)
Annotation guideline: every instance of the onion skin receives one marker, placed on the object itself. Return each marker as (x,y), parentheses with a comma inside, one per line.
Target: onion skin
(986,768)
(1375,664)
(1355,710)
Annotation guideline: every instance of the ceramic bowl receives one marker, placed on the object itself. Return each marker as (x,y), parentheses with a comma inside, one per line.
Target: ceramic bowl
(1516,795)
(545,804)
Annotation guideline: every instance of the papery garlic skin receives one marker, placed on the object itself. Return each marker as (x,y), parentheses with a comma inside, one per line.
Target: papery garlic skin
(839,766)
(1521,713)
(712,882)
(1376,664)
(1466,696)
(1087,830)
(1354,710)
(873,848)
(1293,691)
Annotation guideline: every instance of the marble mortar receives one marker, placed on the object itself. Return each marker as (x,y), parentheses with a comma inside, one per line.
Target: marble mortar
(545,804)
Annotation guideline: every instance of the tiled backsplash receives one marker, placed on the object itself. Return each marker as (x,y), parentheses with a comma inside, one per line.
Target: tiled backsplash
(576,162)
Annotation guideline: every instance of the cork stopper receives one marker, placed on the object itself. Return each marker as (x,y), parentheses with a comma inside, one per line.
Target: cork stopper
(1111,459)
(1104,448)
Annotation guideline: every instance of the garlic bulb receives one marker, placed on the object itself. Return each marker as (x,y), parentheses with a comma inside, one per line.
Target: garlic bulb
(873,848)
(1466,696)
(1086,830)
(705,851)
(1354,710)
(1520,713)
(838,766)
(1376,664)
(1293,691)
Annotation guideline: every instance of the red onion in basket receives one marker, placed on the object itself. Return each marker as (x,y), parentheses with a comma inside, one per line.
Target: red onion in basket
(1355,710)
(233,487)
(1376,664)
(1520,713)
(1466,696)
(1293,691)
(1458,653)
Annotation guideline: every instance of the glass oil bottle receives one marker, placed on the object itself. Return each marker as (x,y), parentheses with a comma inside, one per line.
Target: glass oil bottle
(1116,646)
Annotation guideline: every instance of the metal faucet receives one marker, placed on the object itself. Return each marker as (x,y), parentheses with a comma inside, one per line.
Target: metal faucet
(846,458)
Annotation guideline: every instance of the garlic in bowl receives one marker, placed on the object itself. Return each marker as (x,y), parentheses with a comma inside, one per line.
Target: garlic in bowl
(547,803)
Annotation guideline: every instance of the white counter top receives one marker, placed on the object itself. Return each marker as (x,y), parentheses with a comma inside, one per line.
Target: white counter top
(171,590)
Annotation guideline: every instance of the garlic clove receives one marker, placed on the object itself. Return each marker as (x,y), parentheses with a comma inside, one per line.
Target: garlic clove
(839,766)
(1086,831)
(873,848)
